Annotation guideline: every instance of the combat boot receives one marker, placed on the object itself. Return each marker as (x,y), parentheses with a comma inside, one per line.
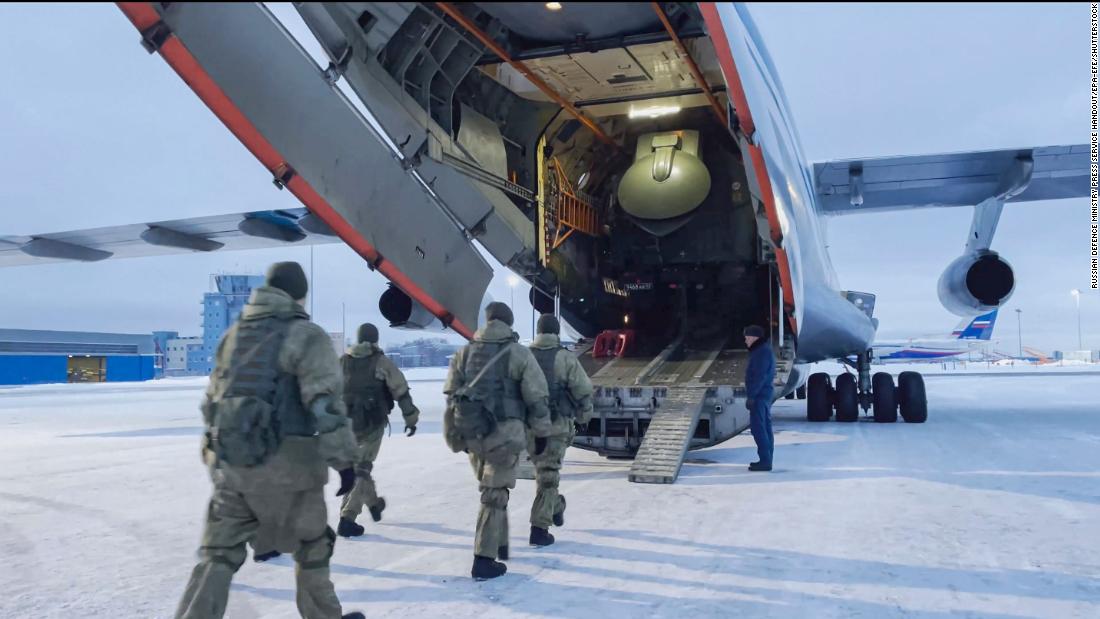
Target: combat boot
(502,553)
(486,568)
(355,615)
(559,518)
(266,556)
(376,509)
(348,528)
(759,466)
(541,537)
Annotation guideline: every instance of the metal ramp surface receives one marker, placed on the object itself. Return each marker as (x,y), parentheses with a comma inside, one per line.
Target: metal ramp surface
(666,440)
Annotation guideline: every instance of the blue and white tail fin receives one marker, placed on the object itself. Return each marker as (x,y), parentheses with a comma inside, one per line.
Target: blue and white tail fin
(980,328)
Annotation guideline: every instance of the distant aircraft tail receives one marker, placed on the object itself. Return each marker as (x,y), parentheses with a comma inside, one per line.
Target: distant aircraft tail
(980,328)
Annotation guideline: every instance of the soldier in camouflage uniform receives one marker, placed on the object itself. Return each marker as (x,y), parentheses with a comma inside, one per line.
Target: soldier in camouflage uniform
(371,384)
(274,423)
(504,380)
(570,405)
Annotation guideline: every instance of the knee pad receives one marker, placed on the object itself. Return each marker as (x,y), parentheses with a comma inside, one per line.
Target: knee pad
(232,557)
(496,498)
(315,553)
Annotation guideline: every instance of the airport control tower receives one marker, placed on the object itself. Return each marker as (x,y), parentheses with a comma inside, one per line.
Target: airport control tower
(220,310)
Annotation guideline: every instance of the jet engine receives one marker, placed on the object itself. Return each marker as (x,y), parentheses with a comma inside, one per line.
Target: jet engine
(403,312)
(976,283)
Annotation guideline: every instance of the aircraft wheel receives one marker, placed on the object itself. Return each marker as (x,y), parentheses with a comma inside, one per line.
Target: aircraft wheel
(789,396)
(911,397)
(800,392)
(818,405)
(846,398)
(883,398)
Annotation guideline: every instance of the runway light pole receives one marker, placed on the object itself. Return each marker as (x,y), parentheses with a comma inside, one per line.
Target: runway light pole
(513,281)
(1020,332)
(1077,297)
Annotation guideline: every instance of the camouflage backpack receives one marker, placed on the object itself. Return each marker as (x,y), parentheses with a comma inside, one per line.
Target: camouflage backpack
(475,403)
(560,400)
(367,397)
(243,424)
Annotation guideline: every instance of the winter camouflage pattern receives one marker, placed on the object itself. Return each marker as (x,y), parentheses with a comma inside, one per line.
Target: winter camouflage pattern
(283,495)
(569,380)
(495,456)
(387,374)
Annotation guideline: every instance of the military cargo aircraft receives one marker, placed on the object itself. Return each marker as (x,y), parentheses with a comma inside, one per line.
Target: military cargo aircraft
(637,163)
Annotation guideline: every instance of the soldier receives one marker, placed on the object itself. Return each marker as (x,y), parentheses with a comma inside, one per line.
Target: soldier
(274,419)
(495,393)
(371,383)
(760,390)
(570,407)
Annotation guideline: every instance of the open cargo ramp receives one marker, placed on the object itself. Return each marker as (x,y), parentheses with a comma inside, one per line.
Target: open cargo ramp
(668,437)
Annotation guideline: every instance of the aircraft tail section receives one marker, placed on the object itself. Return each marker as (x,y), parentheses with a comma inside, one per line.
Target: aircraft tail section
(978,328)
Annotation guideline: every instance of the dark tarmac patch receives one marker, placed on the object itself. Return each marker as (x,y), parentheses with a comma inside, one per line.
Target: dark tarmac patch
(699,461)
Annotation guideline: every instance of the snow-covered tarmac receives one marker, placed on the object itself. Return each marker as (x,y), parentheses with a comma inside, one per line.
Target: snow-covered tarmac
(991,509)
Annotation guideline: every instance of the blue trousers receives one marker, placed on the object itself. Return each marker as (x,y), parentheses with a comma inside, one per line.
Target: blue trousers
(760,420)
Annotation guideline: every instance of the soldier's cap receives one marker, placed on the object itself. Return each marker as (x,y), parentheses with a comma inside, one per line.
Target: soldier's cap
(753,331)
(548,323)
(499,311)
(288,277)
(368,333)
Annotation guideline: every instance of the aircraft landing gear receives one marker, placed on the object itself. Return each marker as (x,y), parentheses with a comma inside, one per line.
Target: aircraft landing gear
(884,398)
(876,394)
(846,398)
(863,367)
(911,398)
(819,397)
(798,394)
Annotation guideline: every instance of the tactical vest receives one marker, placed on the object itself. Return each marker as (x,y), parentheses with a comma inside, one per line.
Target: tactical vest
(259,404)
(502,393)
(561,405)
(367,397)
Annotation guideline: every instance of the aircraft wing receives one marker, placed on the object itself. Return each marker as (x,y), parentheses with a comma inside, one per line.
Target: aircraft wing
(232,231)
(956,179)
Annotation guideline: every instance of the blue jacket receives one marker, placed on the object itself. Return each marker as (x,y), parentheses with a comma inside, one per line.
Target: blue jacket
(760,374)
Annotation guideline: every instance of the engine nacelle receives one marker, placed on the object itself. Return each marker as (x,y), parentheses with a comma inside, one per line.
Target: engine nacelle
(403,312)
(976,283)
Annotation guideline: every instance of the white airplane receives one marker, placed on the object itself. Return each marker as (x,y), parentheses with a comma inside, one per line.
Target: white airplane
(965,338)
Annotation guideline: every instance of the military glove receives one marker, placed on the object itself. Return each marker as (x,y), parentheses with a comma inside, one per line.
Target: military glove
(411,415)
(540,445)
(749,404)
(347,481)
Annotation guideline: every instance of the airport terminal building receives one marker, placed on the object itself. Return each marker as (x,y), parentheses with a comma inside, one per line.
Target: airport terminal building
(30,357)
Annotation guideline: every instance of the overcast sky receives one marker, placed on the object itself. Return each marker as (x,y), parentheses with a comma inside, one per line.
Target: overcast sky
(95,132)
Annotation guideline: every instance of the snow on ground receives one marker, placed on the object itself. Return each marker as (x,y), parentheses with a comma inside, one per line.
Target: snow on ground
(988,510)
(1005,367)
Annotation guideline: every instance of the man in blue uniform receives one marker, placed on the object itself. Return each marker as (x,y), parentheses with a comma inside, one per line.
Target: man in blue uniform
(759,377)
